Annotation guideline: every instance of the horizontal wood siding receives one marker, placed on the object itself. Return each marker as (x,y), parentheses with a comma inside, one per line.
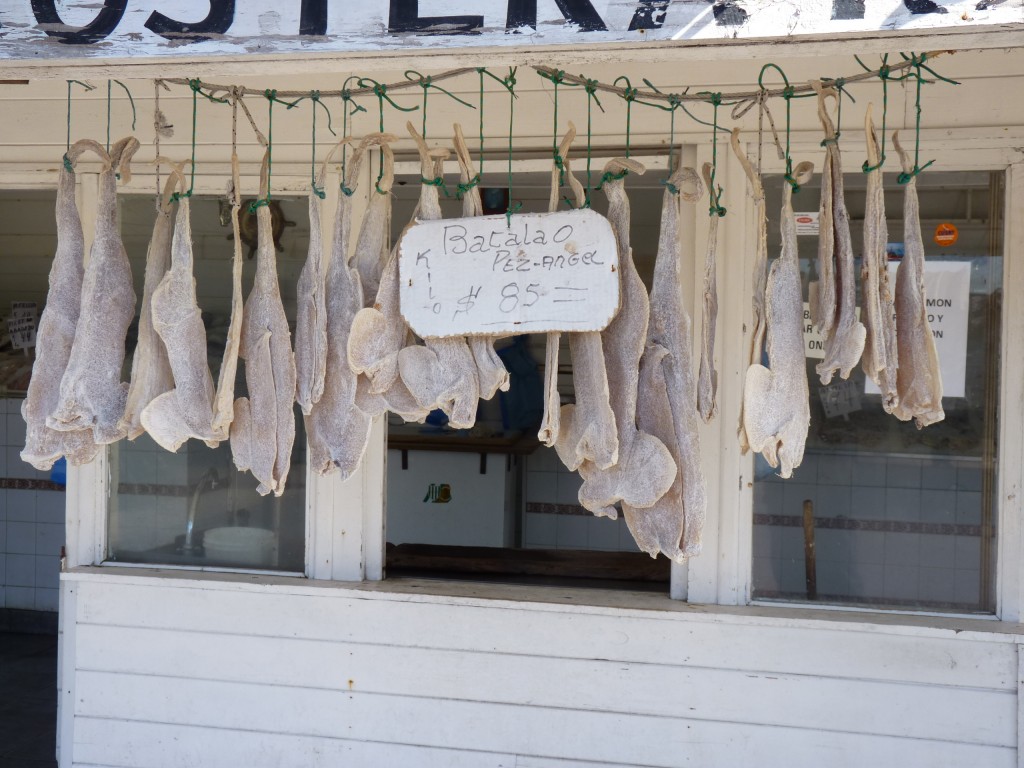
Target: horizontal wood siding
(203,673)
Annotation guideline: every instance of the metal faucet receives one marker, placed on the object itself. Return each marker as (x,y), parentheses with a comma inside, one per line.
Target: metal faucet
(210,480)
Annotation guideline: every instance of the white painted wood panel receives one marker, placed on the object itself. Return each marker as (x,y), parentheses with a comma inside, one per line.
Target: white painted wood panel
(647,688)
(691,638)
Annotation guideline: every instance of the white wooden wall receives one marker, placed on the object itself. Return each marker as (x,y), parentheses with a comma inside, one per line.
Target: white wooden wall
(179,672)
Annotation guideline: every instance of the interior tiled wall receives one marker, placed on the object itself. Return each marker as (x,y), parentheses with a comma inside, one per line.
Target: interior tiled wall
(31,523)
(554,518)
(899,529)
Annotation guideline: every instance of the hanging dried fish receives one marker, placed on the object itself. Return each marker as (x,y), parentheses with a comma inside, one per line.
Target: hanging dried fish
(56,333)
(263,431)
(587,427)
(645,469)
(311,314)
(337,430)
(836,310)
(760,280)
(92,394)
(151,371)
(880,358)
(918,378)
(442,372)
(187,410)
(667,396)
(707,381)
(776,405)
(490,371)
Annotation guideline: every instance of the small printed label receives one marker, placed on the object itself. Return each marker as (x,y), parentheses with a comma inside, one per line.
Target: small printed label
(807,223)
(946,234)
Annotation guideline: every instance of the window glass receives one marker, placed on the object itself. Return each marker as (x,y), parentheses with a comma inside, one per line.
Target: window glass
(193,508)
(881,513)
(492,502)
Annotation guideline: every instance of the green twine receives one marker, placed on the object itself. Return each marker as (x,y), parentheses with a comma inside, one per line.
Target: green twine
(380,90)
(346,98)
(590,86)
(609,176)
(271,97)
(883,75)
(426,83)
(918,65)
(787,94)
(315,97)
(715,196)
(67,162)
(839,84)
(629,94)
(130,101)
(510,84)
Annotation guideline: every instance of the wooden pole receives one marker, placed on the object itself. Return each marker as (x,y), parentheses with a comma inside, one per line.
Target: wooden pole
(810,564)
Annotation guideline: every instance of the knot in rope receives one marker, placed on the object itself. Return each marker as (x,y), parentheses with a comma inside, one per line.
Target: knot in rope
(787,92)
(461,189)
(314,95)
(905,177)
(257,204)
(590,86)
(195,84)
(346,191)
(609,176)
(716,99)
(176,196)
(883,72)
(629,94)
(270,94)
(67,164)
(670,186)
(715,209)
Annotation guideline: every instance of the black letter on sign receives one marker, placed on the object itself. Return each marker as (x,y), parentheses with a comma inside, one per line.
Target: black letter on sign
(523,13)
(313,17)
(405,17)
(649,14)
(106,20)
(217,21)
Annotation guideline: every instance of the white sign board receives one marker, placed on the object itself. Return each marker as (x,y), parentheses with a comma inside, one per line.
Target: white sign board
(480,276)
(40,29)
(21,325)
(807,222)
(947,290)
(947,287)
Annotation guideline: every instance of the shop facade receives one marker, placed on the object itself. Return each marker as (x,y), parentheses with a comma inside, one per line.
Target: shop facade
(908,651)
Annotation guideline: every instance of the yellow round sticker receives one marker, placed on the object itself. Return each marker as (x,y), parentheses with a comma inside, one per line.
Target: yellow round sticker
(946,234)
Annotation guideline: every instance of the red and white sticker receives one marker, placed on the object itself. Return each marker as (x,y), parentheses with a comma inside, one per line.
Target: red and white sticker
(807,223)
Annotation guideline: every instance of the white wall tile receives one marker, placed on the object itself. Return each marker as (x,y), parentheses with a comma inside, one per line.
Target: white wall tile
(21,538)
(768,498)
(833,501)
(868,471)
(15,430)
(47,572)
(903,473)
(968,553)
(938,584)
(49,539)
(603,534)
(938,506)
(172,468)
(938,551)
(793,496)
(21,505)
(47,599)
(938,474)
(3,537)
(968,507)
(542,487)
(867,548)
(766,574)
(626,541)
(866,581)
(867,503)
(968,586)
(569,487)
(903,549)
(833,578)
(831,545)
(3,594)
(900,582)
(544,459)
(903,504)
(835,470)
(571,532)
(539,530)
(15,467)
(50,506)
(21,597)
(767,542)
(968,476)
(21,570)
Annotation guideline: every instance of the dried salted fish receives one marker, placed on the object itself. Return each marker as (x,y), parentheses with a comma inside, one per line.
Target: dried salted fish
(310,314)
(151,371)
(645,469)
(442,372)
(918,378)
(843,333)
(56,333)
(490,371)
(187,410)
(880,358)
(263,432)
(337,430)
(707,380)
(667,396)
(92,394)
(587,427)
(760,280)
(776,405)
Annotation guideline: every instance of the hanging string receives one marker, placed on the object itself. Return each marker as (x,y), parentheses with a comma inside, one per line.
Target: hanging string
(380,90)
(590,86)
(315,97)
(629,94)
(346,99)
(787,94)
(130,101)
(557,77)
(510,83)
(918,65)
(715,195)
(839,84)
(67,162)
(271,97)
(463,188)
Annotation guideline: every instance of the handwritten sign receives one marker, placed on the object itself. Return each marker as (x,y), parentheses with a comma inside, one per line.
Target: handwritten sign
(21,324)
(480,276)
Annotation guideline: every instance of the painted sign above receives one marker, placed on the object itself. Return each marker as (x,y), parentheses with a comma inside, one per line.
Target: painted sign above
(30,29)
(480,276)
